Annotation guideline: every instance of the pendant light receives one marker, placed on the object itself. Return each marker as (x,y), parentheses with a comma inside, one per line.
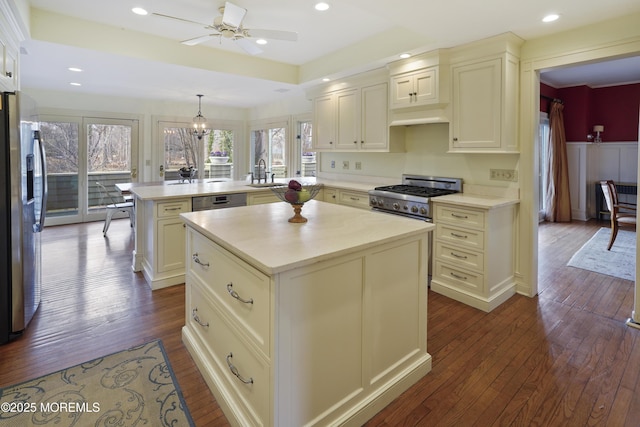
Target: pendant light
(199,122)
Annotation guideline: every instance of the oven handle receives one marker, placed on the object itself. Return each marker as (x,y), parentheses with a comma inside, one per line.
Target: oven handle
(401,214)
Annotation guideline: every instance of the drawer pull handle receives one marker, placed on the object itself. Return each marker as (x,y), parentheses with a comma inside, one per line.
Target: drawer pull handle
(197,260)
(355,199)
(457,276)
(173,209)
(458,255)
(236,296)
(235,371)
(459,216)
(459,236)
(194,314)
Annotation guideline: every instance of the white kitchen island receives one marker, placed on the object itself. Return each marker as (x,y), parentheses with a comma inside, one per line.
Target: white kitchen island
(321,323)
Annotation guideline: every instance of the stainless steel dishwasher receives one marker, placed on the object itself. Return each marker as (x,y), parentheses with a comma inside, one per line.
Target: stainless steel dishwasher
(219,201)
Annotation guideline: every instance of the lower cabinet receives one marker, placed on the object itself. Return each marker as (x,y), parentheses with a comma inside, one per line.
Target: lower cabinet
(474,254)
(331,343)
(354,198)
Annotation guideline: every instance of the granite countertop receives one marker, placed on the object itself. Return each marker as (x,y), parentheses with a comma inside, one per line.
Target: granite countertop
(262,236)
(475,200)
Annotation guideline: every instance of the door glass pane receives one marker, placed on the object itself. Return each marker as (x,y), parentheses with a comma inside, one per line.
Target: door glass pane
(108,160)
(218,154)
(61,144)
(180,151)
(308,156)
(269,145)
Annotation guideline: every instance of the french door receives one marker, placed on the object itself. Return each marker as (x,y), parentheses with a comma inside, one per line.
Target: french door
(80,152)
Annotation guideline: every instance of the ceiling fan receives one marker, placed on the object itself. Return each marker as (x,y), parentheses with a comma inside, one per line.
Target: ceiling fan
(229,25)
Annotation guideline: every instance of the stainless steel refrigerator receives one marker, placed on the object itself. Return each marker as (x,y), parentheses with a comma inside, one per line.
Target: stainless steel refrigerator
(23,192)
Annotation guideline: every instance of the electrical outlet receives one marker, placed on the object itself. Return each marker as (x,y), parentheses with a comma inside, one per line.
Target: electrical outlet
(345,164)
(358,166)
(333,164)
(503,175)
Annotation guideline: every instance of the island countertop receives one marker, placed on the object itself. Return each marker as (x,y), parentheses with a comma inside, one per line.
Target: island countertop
(262,236)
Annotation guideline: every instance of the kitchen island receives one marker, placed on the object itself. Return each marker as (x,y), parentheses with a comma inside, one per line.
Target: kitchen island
(320,323)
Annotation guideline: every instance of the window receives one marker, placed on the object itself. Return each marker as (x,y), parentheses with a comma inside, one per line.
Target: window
(307,155)
(269,144)
(543,143)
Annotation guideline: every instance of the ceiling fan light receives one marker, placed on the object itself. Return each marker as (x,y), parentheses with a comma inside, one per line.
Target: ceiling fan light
(322,6)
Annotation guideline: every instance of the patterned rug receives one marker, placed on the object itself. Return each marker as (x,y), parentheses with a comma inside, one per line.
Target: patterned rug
(135,387)
(620,261)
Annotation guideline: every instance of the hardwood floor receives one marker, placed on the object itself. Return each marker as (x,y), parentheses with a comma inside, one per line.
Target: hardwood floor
(563,358)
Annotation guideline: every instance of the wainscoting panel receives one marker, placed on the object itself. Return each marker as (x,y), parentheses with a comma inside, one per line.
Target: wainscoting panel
(590,163)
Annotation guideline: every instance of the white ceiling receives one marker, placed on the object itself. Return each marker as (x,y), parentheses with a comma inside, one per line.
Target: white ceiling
(321,37)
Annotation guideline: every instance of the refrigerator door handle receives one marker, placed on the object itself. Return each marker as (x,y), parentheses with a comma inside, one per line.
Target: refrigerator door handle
(39,225)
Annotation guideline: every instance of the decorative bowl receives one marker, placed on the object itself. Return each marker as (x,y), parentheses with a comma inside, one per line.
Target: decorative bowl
(296,198)
(187,173)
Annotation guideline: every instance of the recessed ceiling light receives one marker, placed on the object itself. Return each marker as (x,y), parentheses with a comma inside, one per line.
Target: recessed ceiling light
(261,41)
(139,11)
(326,79)
(322,6)
(550,18)
(75,69)
(75,84)
(405,55)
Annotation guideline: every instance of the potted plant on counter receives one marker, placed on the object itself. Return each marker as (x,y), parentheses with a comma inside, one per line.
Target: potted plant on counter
(218,157)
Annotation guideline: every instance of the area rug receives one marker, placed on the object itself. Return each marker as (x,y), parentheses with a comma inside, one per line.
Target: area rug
(134,387)
(620,261)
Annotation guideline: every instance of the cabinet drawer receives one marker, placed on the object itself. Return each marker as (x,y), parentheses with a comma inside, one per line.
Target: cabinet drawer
(241,289)
(458,278)
(354,198)
(175,208)
(461,216)
(458,256)
(228,353)
(473,239)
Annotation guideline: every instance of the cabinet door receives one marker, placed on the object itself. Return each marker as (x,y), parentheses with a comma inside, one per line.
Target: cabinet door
(324,122)
(171,244)
(374,127)
(425,88)
(347,109)
(401,90)
(477,105)
(330,195)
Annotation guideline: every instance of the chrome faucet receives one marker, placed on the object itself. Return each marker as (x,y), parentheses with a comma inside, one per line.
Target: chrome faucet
(264,173)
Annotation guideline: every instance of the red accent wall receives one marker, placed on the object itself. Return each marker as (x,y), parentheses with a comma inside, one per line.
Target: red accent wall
(617,108)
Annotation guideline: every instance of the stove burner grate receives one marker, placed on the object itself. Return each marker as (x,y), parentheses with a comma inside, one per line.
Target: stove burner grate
(415,190)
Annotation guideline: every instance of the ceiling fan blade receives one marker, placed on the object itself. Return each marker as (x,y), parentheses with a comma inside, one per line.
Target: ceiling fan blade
(248,46)
(233,15)
(179,19)
(273,35)
(198,40)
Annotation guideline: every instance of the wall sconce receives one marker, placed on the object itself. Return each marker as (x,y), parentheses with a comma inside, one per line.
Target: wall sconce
(199,122)
(597,129)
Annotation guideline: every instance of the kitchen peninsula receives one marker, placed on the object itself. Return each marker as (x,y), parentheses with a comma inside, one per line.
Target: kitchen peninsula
(160,235)
(320,323)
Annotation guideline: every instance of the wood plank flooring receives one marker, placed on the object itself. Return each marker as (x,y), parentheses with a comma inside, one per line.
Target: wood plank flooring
(563,358)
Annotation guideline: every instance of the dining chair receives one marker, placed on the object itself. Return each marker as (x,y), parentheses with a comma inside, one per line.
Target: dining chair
(622,214)
(118,204)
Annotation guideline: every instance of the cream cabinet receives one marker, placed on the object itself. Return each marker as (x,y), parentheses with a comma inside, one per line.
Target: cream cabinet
(163,241)
(352,119)
(354,198)
(261,197)
(414,88)
(484,102)
(474,254)
(8,57)
(315,345)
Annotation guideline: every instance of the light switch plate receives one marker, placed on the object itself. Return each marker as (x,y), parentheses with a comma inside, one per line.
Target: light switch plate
(503,174)
(345,164)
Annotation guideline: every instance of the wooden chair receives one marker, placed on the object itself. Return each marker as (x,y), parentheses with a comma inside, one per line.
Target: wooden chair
(118,204)
(622,214)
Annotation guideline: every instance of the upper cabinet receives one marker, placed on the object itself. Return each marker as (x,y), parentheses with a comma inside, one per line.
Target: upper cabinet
(10,35)
(414,88)
(352,115)
(484,96)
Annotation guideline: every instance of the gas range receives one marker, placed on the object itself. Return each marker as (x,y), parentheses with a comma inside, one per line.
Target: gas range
(412,197)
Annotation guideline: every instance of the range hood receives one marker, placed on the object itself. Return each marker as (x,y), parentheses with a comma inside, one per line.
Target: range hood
(419,117)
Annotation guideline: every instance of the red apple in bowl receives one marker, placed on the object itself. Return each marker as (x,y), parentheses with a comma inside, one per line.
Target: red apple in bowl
(295,185)
(291,196)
